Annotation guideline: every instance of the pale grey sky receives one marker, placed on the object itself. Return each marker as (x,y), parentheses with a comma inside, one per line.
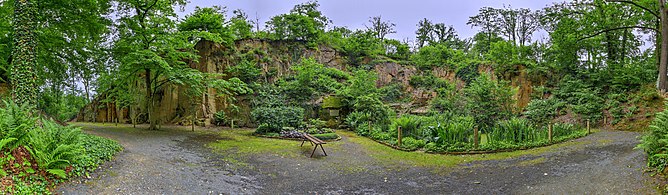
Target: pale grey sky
(355,13)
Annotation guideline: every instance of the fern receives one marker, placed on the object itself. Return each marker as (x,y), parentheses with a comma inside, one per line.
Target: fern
(655,143)
(57,172)
(6,141)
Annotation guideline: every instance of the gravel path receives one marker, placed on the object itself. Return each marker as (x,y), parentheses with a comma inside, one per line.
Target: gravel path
(177,162)
(161,162)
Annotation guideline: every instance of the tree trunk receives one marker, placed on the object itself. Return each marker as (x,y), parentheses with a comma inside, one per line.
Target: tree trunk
(149,101)
(664,46)
(23,77)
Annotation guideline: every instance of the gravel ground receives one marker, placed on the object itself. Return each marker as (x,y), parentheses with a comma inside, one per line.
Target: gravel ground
(161,162)
(177,162)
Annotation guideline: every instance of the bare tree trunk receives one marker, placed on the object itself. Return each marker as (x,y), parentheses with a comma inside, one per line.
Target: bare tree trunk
(149,101)
(664,46)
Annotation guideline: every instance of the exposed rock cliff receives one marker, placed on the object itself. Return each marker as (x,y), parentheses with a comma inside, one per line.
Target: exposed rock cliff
(274,59)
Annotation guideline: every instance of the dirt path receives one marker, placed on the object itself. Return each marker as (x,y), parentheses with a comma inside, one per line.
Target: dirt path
(178,162)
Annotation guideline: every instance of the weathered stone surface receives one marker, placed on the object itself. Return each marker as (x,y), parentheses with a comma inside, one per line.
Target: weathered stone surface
(274,60)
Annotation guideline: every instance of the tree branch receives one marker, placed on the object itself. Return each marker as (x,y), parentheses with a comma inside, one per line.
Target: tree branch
(618,28)
(636,4)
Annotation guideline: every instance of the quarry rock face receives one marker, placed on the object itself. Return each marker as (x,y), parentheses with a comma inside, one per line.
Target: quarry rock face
(274,59)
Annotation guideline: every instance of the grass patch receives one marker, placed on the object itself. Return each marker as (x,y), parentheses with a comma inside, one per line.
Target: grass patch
(391,156)
(244,142)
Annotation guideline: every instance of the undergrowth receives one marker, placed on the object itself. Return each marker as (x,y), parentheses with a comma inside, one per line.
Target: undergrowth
(36,154)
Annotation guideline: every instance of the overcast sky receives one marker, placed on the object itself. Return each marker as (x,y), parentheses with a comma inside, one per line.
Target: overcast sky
(355,13)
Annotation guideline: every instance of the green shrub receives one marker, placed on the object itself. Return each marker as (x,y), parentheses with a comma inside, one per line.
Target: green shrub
(410,143)
(219,118)
(97,150)
(56,147)
(356,119)
(655,142)
(457,130)
(272,120)
(563,130)
(584,99)
(515,131)
(489,101)
(53,148)
(392,92)
(543,111)
(409,124)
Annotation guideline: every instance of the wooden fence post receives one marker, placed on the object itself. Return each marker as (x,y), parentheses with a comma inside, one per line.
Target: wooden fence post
(399,133)
(588,127)
(549,131)
(232,124)
(475,137)
(369,128)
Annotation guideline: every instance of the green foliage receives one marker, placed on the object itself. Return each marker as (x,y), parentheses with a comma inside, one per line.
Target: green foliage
(246,71)
(356,119)
(55,147)
(52,147)
(273,119)
(515,131)
(455,132)
(396,50)
(16,124)
(438,56)
(410,143)
(311,79)
(489,101)
(379,113)
(220,117)
(410,125)
(240,26)
(60,105)
(97,150)
(655,142)
(542,111)
(360,44)
(208,19)
(429,81)
(583,99)
(392,92)
(304,23)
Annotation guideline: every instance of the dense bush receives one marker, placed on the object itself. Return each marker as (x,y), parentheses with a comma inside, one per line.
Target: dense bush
(410,125)
(459,130)
(439,55)
(428,81)
(584,100)
(410,143)
(272,120)
(514,131)
(542,111)
(489,101)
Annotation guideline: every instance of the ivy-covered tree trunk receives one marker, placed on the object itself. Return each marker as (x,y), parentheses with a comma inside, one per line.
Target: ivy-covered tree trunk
(23,77)
(664,46)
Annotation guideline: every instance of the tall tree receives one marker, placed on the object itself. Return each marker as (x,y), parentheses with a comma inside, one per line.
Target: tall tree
(424,31)
(380,28)
(149,48)
(486,20)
